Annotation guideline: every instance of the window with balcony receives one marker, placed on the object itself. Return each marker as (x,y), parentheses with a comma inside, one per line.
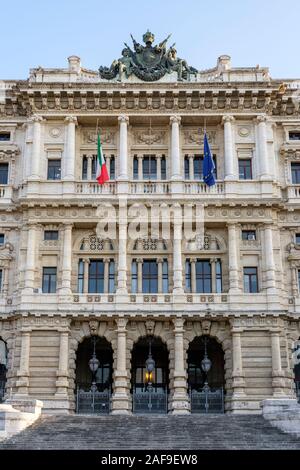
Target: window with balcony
(150,277)
(4,136)
(49,280)
(51,235)
(2,238)
(294,135)
(149,167)
(250,280)
(248,235)
(3,173)
(245,169)
(295,169)
(112,168)
(54,169)
(196,167)
(204,277)
(99,280)
(154,276)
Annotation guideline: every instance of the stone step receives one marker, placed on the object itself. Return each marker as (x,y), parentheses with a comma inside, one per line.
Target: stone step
(152,432)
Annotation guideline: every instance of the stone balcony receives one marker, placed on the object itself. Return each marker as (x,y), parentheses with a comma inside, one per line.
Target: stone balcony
(5,193)
(293,193)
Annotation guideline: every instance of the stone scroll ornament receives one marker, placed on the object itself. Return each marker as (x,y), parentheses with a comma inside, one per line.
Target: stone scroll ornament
(149,63)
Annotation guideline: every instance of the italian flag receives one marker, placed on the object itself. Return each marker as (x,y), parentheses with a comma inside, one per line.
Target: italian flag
(102,175)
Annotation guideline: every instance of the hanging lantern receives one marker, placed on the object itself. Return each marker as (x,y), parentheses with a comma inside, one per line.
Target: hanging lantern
(206,362)
(93,364)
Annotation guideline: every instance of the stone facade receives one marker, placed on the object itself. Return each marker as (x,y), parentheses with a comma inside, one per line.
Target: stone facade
(52,116)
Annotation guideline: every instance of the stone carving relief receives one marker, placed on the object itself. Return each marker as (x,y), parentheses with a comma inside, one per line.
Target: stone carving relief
(196,136)
(148,137)
(107,136)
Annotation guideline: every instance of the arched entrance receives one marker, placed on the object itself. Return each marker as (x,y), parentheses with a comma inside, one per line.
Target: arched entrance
(150,376)
(93,380)
(206,378)
(3,368)
(296,357)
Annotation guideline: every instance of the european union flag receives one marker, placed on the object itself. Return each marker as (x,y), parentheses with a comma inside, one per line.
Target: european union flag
(208,164)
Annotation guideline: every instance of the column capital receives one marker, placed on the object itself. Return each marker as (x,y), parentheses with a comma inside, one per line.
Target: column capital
(106,260)
(178,324)
(227,118)
(159,260)
(261,118)
(193,260)
(67,225)
(86,260)
(213,260)
(36,118)
(175,119)
(232,223)
(121,324)
(191,156)
(123,118)
(71,119)
(140,260)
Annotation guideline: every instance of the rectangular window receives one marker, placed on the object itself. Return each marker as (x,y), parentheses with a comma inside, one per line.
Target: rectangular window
(4,136)
(250,280)
(149,167)
(54,169)
(94,167)
(3,173)
(297,238)
(84,167)
(51,235)
(186,168)
(218,276)
(49,280)
(188,275)
(80,276)
(96,277)
(1,276)
(150,276)
(2,238)
(294,135)
(198,167)
(245,169)
(203,276)
(165,277)
(299,279)
(112,168)
(134,277)
(111,277)
(163,168)
(295,167)
(135,168)
(248,235)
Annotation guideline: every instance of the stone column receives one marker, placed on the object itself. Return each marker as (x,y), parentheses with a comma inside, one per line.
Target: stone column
(238,381)
(140,166)
(22,383)
(158,167)
(122,253)
(123,160)
(295,287)
(180,400)
(193,275)
(160,274)
(269,258)
(229,151)
(62,383)
(120,399)
(233,258)
(5,281)
(277,372)
(106,274)
(69,154)
(177,250)
(89,167)
(264,170)
(36,148)
(139,275)
(175,148)
(66,271)
(86,263)
(191,167)
(213,275)
(30,258)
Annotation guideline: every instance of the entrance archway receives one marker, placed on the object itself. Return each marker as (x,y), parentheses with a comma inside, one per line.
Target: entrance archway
(3,368)
(150,379)
(93,377)
(206,376)
(296,358)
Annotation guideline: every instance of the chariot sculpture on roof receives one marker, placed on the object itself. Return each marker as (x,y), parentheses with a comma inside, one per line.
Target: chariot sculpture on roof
(149,63)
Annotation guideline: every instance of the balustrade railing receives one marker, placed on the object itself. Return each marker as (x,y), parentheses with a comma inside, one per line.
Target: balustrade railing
(152,187)
(197,187)
(86,187)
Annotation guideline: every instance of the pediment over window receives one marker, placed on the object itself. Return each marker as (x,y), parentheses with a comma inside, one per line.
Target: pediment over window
(150,244)
(93,243)
(208,242)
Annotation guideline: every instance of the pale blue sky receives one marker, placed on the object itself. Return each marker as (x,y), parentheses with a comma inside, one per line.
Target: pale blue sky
(46,32)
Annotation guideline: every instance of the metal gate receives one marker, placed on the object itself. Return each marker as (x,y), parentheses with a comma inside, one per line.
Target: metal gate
(207,400)
(297,384)
(2,389)
(150,402)
(92,402)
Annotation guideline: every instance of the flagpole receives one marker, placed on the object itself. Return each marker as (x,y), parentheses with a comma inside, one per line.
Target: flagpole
(204,125)
(97,128)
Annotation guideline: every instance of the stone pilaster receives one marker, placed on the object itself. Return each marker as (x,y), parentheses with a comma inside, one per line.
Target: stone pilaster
(36,148)
(269,259)
(22,383)
(264,170)
(233,258)
(66,261)
(121,398)
(177,250)
(69,155)
(180,400)
(277,372)
(122,254)
(229,151)
(123,161)
(62,383)
(175,148)
(31,258)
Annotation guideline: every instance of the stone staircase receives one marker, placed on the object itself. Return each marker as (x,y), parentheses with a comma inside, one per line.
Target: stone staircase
(152,432)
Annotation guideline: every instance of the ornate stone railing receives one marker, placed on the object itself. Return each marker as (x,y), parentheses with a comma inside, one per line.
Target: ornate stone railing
(86,187)
(5,191)
(197,187)
(152,187)
(294,191)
